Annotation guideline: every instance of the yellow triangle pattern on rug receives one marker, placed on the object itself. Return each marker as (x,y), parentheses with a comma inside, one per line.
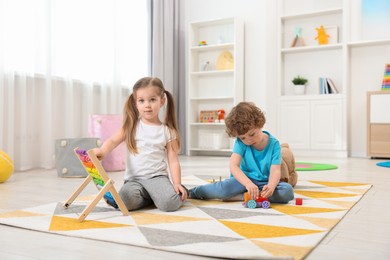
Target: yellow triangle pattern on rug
(292,210)
(249,230)
(338,184)
(207,228)
(343,204)
(59,223)
(321,222)
(19,214)
(323,194)
(296,252)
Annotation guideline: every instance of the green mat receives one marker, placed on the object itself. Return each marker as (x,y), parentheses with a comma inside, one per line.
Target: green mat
(307,166)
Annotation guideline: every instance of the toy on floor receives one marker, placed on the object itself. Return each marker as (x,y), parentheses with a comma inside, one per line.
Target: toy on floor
(98,175)
(298,201)
(258,203)
(6,166)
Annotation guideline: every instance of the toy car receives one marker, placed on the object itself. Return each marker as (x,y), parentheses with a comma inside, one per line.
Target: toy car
(258,203)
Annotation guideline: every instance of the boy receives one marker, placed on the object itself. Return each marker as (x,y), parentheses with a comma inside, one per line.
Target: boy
(254,164)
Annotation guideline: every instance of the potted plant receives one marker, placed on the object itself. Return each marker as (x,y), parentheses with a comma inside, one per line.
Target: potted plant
(299,84)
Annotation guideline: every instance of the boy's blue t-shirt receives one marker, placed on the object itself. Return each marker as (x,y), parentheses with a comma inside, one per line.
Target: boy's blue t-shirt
(257,164)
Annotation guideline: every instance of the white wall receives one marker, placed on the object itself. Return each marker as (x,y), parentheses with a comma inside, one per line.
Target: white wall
(259,46)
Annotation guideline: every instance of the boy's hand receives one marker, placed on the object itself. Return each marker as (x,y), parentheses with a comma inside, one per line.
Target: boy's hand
(253,190)
(180,189)
(267,191)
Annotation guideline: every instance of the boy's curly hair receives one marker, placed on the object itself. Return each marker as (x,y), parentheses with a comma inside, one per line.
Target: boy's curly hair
(244,117)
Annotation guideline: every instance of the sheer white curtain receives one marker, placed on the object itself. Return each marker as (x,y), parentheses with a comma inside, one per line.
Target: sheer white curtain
(167,52)
(61,60)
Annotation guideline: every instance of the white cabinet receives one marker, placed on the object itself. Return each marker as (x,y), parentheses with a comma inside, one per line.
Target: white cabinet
(215,81)
(313,123)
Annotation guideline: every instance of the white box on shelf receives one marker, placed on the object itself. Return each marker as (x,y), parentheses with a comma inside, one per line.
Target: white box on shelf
(210,139)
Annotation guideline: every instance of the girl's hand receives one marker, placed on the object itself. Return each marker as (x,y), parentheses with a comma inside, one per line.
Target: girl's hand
(267,191)
(180,189)
(253,190)
(98,153)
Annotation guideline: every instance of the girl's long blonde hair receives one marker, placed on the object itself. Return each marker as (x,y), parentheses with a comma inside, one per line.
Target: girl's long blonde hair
(131,115)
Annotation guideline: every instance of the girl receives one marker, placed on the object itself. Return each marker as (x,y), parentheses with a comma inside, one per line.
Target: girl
(151,145)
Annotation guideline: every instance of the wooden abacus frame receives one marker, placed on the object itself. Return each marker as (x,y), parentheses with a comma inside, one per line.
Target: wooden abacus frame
(96,174)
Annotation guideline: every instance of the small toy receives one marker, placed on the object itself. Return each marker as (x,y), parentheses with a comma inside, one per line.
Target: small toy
(221,115)
(298,38)
(386,78)
(298,201)
(202,43)
(213,180)
(258,203)
(322,37)
(205,66)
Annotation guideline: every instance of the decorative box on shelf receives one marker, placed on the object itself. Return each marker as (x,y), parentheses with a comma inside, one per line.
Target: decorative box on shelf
(212,116)
(211,139)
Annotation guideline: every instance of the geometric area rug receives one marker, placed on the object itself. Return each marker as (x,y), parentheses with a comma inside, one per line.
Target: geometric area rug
(208,228)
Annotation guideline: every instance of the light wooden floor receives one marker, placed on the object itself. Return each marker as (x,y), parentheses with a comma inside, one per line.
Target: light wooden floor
(364,233)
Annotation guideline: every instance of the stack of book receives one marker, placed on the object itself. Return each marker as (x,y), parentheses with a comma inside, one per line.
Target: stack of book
(327,86)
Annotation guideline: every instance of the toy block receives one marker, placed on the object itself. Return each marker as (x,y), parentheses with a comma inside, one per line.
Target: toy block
(298,201)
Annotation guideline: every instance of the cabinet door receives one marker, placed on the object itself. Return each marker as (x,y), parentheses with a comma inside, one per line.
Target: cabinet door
(326,126)
(295,124)
(380,107)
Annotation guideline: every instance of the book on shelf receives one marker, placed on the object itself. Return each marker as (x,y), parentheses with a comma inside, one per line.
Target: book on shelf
(327,86)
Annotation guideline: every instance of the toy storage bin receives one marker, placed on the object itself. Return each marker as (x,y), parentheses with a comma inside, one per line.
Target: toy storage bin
(103,127)
(210,139)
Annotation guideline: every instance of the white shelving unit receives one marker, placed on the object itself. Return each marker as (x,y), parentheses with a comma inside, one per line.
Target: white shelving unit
(316,124)
(313,123)
(212,88)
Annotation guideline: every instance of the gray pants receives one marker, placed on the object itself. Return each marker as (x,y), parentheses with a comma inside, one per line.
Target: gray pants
(158,190)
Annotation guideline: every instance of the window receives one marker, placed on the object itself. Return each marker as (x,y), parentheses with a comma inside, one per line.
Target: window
(93,40)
